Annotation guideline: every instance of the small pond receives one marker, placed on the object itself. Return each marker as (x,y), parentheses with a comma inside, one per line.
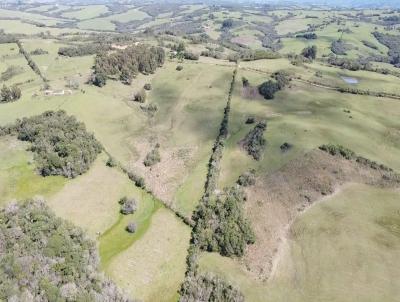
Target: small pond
(350,80)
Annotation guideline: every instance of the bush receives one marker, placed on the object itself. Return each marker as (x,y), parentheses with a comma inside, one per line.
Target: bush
(190,56)
(111,162)
(147,86)
(254,142)
(268,89)
(131,227)
(9,94)
(179,67)
(247,178)
(250,120)
(99,79)
(140,96)
(310,52)
(152,157)
(39,51)
(61,144)
(338,150)
(138,180)
(286,147)
(338,47)
(308,36)
(10,72)
(245,82)
(128,205)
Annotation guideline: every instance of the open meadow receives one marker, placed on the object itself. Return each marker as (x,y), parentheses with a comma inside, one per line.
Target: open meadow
(210,152)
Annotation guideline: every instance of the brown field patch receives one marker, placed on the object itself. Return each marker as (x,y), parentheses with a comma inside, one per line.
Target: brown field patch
(276,200)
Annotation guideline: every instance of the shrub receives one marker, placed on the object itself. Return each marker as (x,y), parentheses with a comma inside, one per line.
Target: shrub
(286,147)
(10,72)
(61,144)
(111,162)
(9,94)
(338,47)
(245,82)
(39,51)
(247,178)
(128,205)
(190,56)
(250,120)
(338,150)
(310,52)
(179,67)
(147,86)
(131,227)
(308,36)
(140,96)
(99,79)
(138,180)
(152,157)
(254,142)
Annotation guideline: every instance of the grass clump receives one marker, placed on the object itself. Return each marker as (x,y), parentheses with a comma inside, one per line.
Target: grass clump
(61,144)
(254,142)
(33,237)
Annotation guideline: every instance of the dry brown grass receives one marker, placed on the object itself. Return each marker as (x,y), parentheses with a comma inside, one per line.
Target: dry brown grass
(276,200)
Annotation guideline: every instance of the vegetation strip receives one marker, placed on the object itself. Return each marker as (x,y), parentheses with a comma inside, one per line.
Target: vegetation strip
(198,286)
(30,61)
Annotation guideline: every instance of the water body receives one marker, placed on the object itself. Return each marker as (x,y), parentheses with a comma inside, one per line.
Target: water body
(350,80)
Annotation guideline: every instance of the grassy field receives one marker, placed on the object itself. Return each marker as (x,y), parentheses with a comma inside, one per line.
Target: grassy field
(307,117)
(18,177)
(153,268)
(343,249)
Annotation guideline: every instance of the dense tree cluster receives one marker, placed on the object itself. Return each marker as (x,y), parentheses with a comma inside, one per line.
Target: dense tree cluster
(9,94)
(278,82)
(127,62)
(393,43)
(339,47)
(44,258)
(253,55)
(61,144)
(83,49)
(198,287)
(7,38)
(254,142)
(310,52)
(220,225)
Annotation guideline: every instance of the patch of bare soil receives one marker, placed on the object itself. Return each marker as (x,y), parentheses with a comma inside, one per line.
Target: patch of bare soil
(165,177)
(276,199)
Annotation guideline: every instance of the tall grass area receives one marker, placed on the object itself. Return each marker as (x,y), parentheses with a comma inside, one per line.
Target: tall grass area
(343,249)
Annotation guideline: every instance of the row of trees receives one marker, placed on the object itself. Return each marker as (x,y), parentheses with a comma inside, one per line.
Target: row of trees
(393,43)
(30,61)
(61,144)
(127,63)
(83,49)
